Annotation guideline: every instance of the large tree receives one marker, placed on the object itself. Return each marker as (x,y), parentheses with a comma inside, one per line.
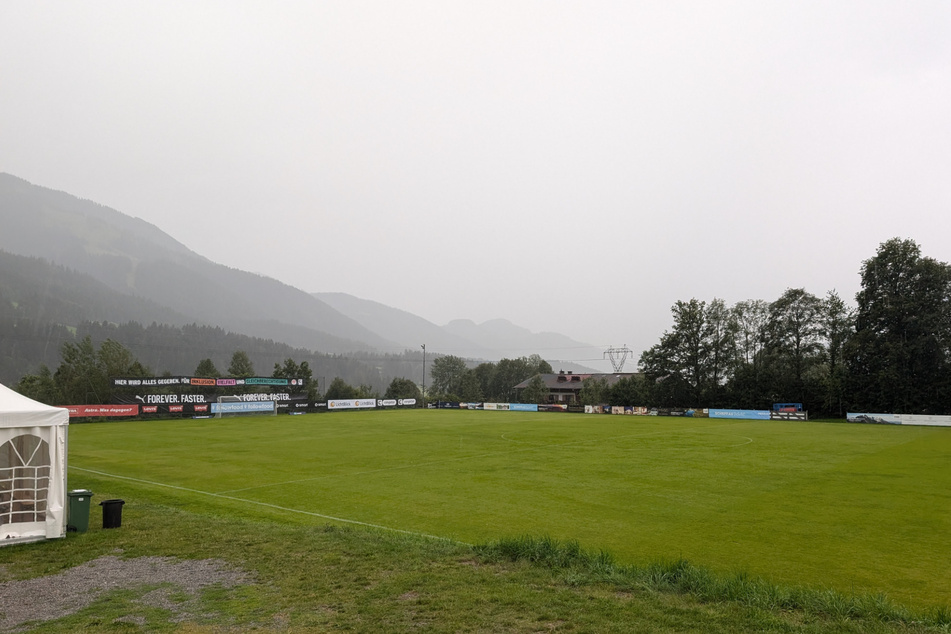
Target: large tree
(401,387)
(447,374)
(83,376)
(290,369)
(628,391)
(747,385)
(341,390)
(240,366)
(679,366)
(794,343)
(510,372)
(898,360)
(206,369)
(838,326)
(536,391)
(720,333)
(594,391)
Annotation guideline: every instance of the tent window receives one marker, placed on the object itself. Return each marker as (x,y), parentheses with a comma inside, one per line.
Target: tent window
(24,479)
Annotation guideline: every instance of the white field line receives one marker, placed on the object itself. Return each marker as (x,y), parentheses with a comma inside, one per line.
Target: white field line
(491,454)
(273,506)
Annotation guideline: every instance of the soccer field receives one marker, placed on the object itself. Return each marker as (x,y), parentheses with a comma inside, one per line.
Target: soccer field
(853,507)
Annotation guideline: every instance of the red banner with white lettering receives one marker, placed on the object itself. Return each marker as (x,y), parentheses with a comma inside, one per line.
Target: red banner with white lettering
(86,411)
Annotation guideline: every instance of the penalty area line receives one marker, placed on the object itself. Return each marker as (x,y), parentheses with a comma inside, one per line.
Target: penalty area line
(272,506)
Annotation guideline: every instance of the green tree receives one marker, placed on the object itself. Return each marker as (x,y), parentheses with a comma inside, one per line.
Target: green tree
(78,377)
(795,337)
(403,388)
(447,373)
(485,373)
(290,370)
(40,387)
(536,391)
(898,360)
(628,391)
(594,391)
(340,390)
(751,318)
(838,326)
(206,369)
(240,366)
(537,364)
(366,391)
(469,389)
(510,372)
(83,376)
(746,385)
(679,364)
(720,332)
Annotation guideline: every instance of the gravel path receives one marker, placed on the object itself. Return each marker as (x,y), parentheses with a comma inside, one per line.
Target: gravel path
(60,595)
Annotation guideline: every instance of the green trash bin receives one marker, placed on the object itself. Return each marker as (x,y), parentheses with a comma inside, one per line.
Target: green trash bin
(77,519)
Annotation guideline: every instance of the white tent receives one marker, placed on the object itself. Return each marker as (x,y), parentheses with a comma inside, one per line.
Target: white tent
(32,469)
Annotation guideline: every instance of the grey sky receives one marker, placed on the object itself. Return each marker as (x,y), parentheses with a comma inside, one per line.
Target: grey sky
(575,167)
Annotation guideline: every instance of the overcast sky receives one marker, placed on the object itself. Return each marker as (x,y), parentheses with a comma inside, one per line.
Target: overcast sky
(570,166)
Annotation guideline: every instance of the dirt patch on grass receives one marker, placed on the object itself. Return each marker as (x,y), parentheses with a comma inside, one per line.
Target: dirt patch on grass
(31,601)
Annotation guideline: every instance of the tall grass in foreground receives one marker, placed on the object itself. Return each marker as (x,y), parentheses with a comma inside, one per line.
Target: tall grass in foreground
(579,566)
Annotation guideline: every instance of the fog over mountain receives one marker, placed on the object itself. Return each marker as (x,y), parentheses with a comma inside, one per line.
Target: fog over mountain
(132,270)
(490,340)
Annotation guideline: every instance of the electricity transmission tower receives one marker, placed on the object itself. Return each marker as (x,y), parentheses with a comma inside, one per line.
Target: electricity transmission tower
(618,356)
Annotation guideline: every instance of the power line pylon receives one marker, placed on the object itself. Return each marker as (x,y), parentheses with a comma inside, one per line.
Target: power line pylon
(618,356)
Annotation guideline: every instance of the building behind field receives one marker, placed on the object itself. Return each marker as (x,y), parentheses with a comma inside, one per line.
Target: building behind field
(564,387)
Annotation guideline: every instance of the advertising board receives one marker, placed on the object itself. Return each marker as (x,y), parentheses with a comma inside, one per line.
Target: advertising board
(351,403)
(242,407)
(900,419)
(165,381)
(748,414)
(880,419)
(83,411)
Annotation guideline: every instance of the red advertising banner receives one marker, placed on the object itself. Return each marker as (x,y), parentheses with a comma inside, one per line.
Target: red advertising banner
(82,411)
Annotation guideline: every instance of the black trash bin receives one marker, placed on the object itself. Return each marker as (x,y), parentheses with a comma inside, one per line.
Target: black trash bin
(111,513)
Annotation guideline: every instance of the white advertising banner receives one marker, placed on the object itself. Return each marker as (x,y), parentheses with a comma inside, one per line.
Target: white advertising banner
(926,419)
(351,403)
(900,419)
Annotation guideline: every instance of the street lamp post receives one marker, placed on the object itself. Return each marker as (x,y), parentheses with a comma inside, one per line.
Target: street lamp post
(424,375)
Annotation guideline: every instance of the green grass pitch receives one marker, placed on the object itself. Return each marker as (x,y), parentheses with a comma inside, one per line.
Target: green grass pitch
(851,507)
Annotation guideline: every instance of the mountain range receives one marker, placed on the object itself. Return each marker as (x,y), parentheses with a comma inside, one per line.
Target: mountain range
(114,268)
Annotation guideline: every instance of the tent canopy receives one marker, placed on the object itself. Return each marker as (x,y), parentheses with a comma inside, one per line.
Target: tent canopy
(17,410)
(32,469)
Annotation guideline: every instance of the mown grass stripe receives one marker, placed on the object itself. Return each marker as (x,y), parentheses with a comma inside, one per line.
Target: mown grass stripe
(268,505)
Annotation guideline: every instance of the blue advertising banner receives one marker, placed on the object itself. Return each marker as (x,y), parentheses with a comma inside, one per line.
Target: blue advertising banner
(523,407)
(250,406)
(751,414)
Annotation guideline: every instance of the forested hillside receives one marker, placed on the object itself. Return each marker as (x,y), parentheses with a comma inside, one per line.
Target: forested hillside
(44,305)
(136,258)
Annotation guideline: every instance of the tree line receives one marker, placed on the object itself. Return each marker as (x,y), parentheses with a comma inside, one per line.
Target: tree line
(452,379)
(888,353)
(84,375)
